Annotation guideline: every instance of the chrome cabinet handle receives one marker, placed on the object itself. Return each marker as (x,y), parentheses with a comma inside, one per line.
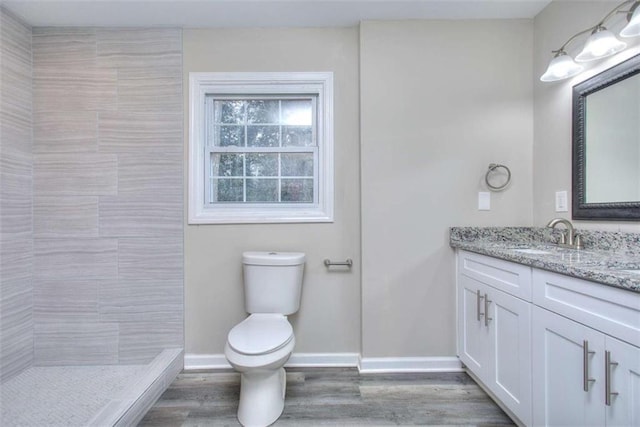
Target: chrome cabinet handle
(607,378)
(479,314)
(585,365)
(487,301)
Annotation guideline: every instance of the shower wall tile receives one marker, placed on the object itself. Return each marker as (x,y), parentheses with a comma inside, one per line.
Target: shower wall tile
(16,129)
(61,132)
(16,306)
(65,74)
(141,133)
(16,113)
(16,41)
(75,175)
(65,301)
(16,332)
(81,89)
(63,343)
(139,47)
(16,168)
(16,258)
(145,89)
(157,176)
(141,341)
(76,259)
(150,258)
(65,217)
(15,189)
(64,48)
(16,67)
(108,184)
(140,216)
(15,211)
(141,300)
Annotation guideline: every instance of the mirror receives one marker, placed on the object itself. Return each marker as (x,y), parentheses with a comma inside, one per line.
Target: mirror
(606,144)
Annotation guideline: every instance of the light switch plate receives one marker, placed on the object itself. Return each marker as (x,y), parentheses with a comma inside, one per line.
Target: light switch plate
(484,201)
(562,204)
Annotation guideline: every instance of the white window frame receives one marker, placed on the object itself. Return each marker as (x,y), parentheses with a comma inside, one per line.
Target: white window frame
(318,84)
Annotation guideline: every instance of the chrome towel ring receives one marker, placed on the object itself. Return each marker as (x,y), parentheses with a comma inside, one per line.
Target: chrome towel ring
(492,168)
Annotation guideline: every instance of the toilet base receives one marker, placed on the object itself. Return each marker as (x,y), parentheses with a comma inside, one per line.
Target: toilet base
(261,397)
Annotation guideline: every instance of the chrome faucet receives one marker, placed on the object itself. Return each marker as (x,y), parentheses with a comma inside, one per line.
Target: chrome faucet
(569,238)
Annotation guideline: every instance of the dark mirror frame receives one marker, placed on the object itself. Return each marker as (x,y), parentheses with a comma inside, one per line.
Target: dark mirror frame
(620,211)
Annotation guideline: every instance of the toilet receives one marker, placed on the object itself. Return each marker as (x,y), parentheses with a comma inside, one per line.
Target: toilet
(260,345)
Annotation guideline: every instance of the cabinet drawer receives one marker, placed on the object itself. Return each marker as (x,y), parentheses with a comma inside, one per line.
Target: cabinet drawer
(613,311)
(512,278)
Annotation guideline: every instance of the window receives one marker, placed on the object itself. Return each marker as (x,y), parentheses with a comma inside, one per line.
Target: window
(260,147)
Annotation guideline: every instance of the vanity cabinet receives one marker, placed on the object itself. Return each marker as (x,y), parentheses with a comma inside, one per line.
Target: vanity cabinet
(553,350)
(494,328)
(585,372)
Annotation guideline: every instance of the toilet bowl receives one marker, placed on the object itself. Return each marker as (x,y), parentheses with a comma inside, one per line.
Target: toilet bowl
(260,345)
(259,352)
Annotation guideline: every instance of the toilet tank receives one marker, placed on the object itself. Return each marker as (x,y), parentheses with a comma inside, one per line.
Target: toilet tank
(272,281)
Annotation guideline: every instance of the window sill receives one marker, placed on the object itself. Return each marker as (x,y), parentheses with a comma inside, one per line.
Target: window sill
(244,216)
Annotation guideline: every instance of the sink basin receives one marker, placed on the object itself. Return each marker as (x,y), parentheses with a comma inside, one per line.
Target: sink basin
(532,251)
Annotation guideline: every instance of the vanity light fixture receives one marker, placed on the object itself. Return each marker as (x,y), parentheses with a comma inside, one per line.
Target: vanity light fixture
(600,44)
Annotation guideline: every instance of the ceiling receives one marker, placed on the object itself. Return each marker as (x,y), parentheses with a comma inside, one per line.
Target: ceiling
(259,13)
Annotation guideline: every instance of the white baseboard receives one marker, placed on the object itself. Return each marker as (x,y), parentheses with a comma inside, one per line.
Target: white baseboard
(318,360)
(315,360)
(370,365)
(297,360)
(194,362)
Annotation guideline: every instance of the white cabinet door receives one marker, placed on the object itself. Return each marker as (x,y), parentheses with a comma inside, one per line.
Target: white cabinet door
(560,369)
(497,348)
(473,335)
(510,353)
(623,408)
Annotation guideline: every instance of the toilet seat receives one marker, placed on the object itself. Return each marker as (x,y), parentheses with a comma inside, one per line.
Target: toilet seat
(260,334)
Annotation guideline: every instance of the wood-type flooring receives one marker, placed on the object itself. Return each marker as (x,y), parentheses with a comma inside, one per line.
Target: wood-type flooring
(333,397)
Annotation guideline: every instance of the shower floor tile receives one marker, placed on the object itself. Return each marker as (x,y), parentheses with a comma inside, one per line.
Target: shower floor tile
(63,395)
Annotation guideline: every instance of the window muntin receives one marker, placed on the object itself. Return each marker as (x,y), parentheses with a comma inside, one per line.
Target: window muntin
(261,149)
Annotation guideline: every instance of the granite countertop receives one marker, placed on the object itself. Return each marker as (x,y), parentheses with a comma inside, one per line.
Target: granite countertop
(609,258)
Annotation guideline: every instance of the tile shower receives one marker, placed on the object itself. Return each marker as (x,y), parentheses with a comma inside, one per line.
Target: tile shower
(91,217)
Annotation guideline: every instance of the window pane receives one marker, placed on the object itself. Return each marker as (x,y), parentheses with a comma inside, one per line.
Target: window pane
(262,164)
(228,111)
(262,190)
(227,164)
(226,190)
(263,136)
(299,164)
(297,136)
(297,190)
(225,136)
(297,112)
(262,111)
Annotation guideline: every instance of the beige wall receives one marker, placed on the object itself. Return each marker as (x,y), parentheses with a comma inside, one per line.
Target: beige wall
(440,100)
(329,317)
(552,108)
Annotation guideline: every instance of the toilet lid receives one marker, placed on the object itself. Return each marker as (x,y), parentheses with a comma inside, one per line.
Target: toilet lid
(260,334)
